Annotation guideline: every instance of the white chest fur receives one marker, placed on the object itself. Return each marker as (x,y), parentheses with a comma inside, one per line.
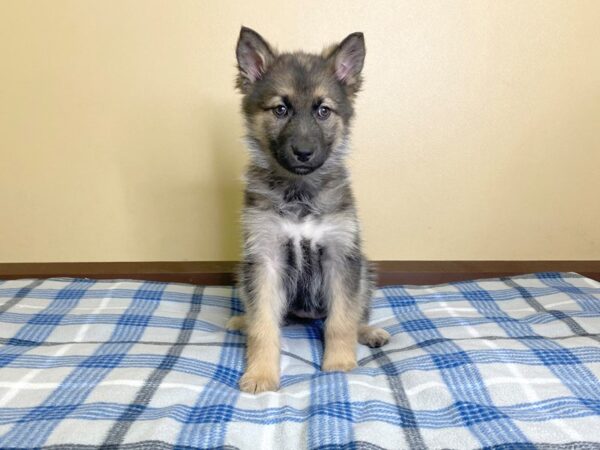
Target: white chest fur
(268,232)
(311,229)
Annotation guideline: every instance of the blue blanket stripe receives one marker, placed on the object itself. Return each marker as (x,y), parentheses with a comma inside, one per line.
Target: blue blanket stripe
(331,415)
(555,285)
(293,333)
(586,355)
(217,301)
(360,411)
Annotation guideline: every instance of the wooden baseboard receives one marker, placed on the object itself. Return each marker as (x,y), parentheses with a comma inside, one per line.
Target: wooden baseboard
(432,272)
(222,272)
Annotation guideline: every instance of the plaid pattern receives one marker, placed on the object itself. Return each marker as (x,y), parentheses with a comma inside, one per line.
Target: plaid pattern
(500,363)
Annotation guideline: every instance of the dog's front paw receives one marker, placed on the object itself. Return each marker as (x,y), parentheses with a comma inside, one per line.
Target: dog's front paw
(338,362)
(255,383)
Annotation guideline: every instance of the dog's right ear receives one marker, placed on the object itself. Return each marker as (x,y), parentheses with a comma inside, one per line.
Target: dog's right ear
(254,55)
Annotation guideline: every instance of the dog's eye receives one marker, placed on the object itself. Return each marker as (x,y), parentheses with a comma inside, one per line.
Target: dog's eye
(280,111)
(323,112)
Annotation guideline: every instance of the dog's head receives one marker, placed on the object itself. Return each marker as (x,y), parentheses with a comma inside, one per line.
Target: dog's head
(298,106)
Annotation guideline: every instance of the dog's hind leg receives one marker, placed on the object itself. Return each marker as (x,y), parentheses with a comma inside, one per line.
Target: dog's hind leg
(369,335)
(372,336)
(236,323)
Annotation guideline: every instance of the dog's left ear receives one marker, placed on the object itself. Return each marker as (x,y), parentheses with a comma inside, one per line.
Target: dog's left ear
(348,59)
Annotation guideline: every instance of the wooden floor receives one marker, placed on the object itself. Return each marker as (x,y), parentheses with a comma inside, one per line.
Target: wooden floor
(222,272)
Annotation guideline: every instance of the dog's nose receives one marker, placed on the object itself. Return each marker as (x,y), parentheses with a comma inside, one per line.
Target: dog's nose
(302,154)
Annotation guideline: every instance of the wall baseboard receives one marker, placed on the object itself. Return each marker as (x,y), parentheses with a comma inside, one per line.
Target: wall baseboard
(222,272)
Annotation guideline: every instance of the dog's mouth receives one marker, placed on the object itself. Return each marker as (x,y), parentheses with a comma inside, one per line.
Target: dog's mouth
(302,170)
(298,168)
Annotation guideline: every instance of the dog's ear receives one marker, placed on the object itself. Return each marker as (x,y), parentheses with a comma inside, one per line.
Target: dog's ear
(254,55)
(348,58)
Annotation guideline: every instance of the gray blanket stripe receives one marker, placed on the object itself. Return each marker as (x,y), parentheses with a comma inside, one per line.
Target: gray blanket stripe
(21,293)
(354,445)
(412,433)
(532,301)
(563,275)
(116,434)
(142,445)
(12,341)
(429,342)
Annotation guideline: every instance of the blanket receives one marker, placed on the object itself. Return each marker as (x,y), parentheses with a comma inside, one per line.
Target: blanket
(119,364)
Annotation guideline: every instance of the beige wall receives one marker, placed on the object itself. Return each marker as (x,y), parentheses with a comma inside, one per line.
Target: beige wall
(477,134)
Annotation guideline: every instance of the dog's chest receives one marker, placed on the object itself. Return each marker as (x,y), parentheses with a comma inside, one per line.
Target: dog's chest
(303,257)
(309,229)
(332,234)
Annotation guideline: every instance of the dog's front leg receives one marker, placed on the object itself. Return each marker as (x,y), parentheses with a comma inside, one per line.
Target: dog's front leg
(341,326)
(263,317)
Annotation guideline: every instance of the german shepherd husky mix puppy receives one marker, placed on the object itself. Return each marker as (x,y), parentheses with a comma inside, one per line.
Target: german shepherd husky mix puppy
(302,246)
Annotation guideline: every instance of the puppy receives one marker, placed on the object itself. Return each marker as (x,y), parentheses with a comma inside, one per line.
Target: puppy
(302,247)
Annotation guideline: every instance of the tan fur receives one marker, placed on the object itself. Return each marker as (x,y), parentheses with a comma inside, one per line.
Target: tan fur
(322,92)
(236,323)
(260,126)
(341,331)
(372,336)
(262,330)
(277,100)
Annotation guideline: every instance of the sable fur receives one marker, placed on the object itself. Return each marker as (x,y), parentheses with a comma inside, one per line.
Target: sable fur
(302,247)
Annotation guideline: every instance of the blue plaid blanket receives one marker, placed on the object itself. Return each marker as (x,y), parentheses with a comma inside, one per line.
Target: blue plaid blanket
(500,363)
